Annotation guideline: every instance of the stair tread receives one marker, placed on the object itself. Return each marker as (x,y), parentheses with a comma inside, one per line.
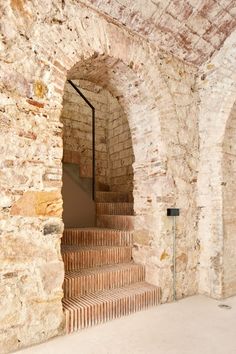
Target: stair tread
(117,203)
(93,308)
(97,237)
(101,280)
(97,229)
(114,192)
(111,196)
(116,215)
(111,294)
(120,222)
(76,257)
(75,248)
(106,268)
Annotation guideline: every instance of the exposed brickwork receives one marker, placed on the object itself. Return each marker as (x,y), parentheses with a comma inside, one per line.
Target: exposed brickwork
(108,305)
(106,197)
(101,283)
(97,237)
(192,30)
(114,153)
(177,114)
(77,129)
(217,87)
(229,205)
(75,258)
(86,281)
(120,151)
(115,208)
(120,222)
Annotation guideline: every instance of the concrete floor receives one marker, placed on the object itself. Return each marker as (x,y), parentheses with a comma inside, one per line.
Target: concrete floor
(195,325)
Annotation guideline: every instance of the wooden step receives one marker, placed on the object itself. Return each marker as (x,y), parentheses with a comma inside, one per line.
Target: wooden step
(97,237)
(75,257)
(119,222)
(84,281)
(115,208)
(91,309)
(112,197)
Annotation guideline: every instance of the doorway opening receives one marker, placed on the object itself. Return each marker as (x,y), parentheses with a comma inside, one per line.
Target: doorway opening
(101,280)
(113,154)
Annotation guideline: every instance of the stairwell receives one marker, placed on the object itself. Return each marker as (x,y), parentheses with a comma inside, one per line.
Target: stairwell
(101,280)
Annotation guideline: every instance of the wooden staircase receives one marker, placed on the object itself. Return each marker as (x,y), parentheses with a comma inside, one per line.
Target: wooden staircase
(101,281)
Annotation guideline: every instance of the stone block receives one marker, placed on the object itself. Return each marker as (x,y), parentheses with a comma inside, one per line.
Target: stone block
(38,204)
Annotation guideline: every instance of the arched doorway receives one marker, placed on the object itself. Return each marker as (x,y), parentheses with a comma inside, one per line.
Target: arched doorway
(113,153)
(101,280)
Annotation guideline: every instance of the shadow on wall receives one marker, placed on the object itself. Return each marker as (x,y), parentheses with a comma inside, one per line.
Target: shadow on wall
(78,205)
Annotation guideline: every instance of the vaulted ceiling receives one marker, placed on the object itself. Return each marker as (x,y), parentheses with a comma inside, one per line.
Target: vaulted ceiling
(192,30)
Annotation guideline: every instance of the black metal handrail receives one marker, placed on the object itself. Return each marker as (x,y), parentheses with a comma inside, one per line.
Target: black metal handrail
(93,134)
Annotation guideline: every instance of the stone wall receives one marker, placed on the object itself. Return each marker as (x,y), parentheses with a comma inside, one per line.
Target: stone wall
(32,271)
(165,168)
(113,145)
(168,179)
(120,151)
(44,43)
(229,206)
(77,129)
(217,90)
(192,30)
(38,57)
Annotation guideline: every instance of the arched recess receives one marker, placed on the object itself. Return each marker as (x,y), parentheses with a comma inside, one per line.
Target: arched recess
(229,206)
(217,90)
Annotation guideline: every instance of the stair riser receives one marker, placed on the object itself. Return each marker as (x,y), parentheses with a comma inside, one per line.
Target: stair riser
(116,222)
(114,208)
(97,238)
(92,314)
(81,285)
(74,260)
(102,187)
(110,197)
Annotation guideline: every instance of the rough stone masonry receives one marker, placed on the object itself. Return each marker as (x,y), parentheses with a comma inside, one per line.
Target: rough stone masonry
(172,65)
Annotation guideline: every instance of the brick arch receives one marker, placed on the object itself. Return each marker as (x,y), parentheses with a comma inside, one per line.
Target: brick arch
(39,52)
(98,38)
(164,168)
(135,67)
(145,101)
(217,93)
(124,84)
(165,156)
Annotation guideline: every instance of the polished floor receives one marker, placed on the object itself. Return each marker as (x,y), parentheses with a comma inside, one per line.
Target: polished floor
(195,325)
